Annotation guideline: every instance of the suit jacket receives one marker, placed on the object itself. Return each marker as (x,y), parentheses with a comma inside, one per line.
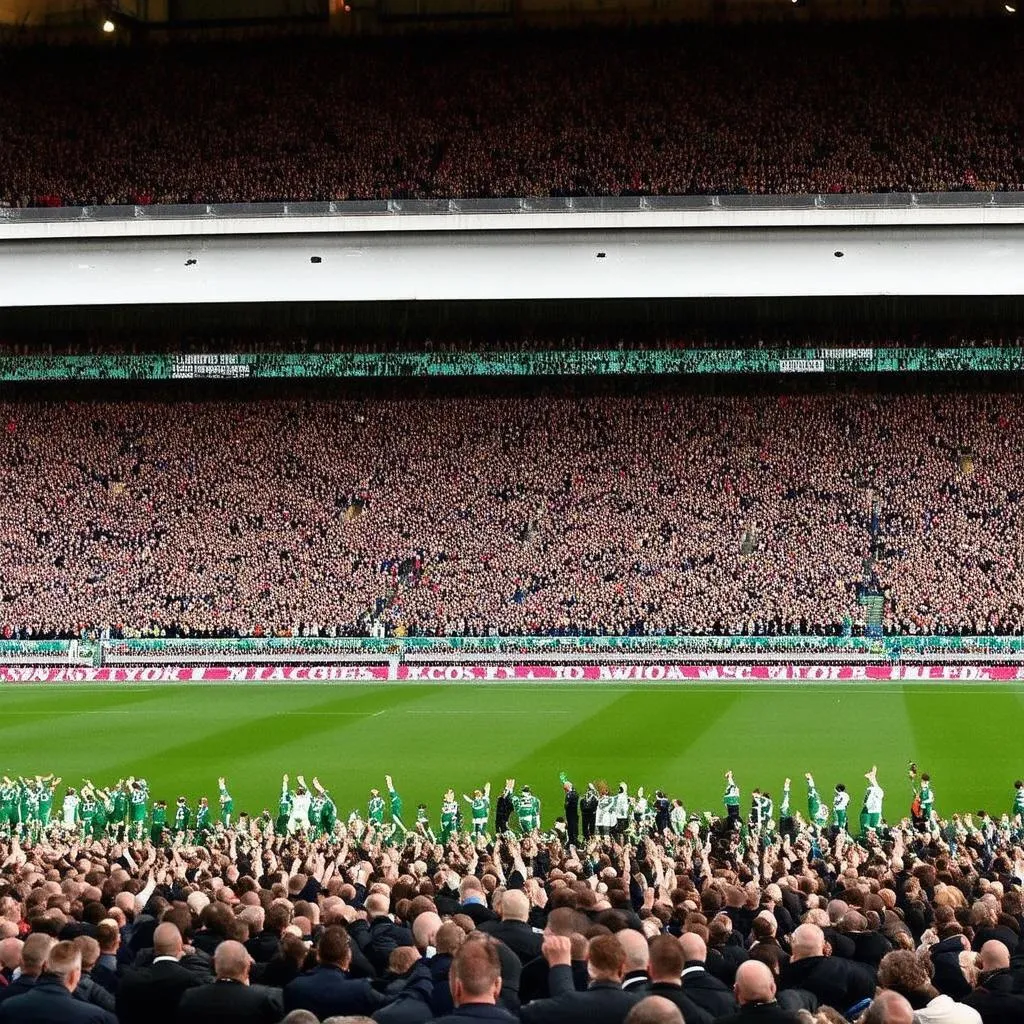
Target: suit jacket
(603,1003)
(379,939)
(836,982)
(228,1002)
(478,913)
(762,1013)
(692,1013)
(329,992)
(263,947)
(534,980)
(150,995)
(477,1013)
(994,999)
(18,987)
(106,975)
(519,937)
(49,1002)
(708,992)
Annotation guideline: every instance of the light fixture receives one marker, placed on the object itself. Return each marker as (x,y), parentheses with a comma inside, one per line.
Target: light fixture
(1010,8)
(108,26)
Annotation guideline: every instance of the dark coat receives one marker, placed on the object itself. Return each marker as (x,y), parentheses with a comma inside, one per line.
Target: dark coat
(994,999)
(19,987)
(263,947)
(949,978)
(692,1013)
(329,992)
(150,995)
(534,981)
(708,992)
(519,937)
(412,1005)
(602,1003)
(379,939)
(49,1002)
(836,982)
(477,1013)
(762,1013)
(228,1002)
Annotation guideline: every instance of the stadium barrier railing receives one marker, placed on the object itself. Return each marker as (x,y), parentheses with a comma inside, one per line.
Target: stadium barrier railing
(563,650)
(45,652)
(575,362)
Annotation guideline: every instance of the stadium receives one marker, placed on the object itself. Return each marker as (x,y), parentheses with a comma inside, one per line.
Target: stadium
(511,510)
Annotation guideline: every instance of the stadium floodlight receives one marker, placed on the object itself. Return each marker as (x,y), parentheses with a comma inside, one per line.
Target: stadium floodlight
(108,26)
(1010,8)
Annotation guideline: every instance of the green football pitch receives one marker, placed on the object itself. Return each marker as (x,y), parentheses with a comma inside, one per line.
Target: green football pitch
(679,738)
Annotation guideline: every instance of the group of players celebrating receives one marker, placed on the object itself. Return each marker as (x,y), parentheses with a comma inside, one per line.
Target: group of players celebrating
(125,811)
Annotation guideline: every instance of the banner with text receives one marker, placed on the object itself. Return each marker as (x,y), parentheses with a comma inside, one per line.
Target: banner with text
(507,673)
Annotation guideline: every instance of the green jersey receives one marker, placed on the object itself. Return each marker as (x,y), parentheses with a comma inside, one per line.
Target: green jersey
(45,803)
(732,795)
(816,811)
(29,798)
(927,800)
(1018,802)
(784,806)
(449,817)
(328,814)
(203,818)
(480,808)
(227,805)
(375,810)
(396,804)
(99,821)
(137,800)
(120,805)
(528,810)
(182,816)
(8,796)
(284,805)
(159,816)
(87,813)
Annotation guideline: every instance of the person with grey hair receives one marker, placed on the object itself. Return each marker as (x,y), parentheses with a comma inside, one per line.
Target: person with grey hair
(33,959)
(51,999)
(230,997)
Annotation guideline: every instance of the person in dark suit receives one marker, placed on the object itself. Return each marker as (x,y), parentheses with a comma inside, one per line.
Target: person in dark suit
(704,989)
(572,812)
(106,973)
(755,993)
(588,811)
(475,980)
(835,982)
(382,935)
(263,946)
(664,969)
(150,995)
(994,998)
(603,1003)
(50,1000)
(229,1000)
(512,929)
(327,990)
(33,959)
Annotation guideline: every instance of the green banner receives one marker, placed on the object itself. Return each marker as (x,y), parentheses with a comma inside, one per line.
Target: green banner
(576,362)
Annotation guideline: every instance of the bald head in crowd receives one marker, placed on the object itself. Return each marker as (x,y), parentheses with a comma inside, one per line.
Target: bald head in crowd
(755,984)
(231,962)
(167,941)
(634,945)
(655,1010)
(515,906)
(694,948)
(808,941)
(889,1008)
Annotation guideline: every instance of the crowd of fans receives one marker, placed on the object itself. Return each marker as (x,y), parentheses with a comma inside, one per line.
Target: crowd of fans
(664,112)
(662,511)
(906,927)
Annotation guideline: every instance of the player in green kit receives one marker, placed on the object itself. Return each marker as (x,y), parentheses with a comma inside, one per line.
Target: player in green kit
(731,799)
(449,816)
(87,811)
(817,812)
(328,810)
(28,798)
(203,825)
(158,822)
(138,796)
(927,795)
(396,804)
(120,815)
(871,816)
(423,823)
(182,816)
(227,805)
(284,808)
(375,808)
(8,798)
(787,826)
(47,787)
(1016,815)
(840,802)
(480,808)
(104,806)
(527,810)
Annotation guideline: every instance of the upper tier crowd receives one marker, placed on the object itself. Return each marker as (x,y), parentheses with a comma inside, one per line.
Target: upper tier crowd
(812,928)
(657,112)
(666,512)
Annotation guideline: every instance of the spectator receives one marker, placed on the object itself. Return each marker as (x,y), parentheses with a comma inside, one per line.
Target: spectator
(50,1000)
(229,998)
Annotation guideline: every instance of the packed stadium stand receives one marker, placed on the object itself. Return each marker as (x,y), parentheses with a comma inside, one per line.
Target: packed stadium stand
(626,509)
(876,108)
